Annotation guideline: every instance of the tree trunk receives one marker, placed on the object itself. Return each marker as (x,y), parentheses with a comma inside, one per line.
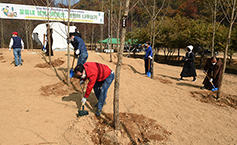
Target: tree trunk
(226,48)
(153,39)
(49,35)
(2,38)
(92,38)
(178,53)
(111,30)
(117,74)
(68,47)
(30,31)
(84,32)
(214,28)
(101,27)
(230,59)
(27,39)
(118,29)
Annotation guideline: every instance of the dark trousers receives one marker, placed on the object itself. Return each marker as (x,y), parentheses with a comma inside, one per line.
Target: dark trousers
(101,89)
(146,65)
(47,47)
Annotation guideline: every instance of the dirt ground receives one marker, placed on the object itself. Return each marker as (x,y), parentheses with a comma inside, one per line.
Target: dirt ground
(37,107)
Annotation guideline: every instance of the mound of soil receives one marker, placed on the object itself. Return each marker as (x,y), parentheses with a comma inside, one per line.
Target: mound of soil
(61,88)
(56,62)
(162,80)
(210,97)
(135,129)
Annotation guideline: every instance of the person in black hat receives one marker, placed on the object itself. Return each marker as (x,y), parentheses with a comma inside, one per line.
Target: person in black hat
(77,33)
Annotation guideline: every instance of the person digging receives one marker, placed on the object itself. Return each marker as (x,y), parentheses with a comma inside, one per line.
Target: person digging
(100,77)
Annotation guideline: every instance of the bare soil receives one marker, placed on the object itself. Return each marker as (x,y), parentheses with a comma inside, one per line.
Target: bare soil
(38,107)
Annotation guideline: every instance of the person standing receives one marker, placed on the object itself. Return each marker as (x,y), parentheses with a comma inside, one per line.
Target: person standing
(100,77)
(77,33)
(213,68)
(17,43)
(79,48)
(189,66)
(49,35)
(148,56)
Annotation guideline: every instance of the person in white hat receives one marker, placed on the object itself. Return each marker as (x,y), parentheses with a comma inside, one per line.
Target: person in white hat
(189,66)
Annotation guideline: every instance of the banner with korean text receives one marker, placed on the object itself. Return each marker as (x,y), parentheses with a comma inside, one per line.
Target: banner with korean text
(28,12)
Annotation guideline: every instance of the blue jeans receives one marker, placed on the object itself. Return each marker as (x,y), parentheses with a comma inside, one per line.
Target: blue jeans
(17,54)
(82,58)
(101,89)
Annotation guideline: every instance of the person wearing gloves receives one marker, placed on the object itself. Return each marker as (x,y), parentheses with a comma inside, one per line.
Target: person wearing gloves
(213,68)
(148,56)
(17,43)
(79,48)
(100,77)
(189,66)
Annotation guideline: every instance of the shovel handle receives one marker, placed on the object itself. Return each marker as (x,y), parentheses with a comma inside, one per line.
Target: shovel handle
(149,64)
(73,61)
(209,79)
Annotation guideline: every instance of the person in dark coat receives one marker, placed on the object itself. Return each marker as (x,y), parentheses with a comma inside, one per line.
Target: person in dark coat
(51,40)
(213,68)
(79,48)
(189,66)
(148,56)
(77,33)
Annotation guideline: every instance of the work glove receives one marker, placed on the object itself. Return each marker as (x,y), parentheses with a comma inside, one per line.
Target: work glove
(149,57)
(81,82)
(77,51)
(68,40)
(83,100)
(210,80)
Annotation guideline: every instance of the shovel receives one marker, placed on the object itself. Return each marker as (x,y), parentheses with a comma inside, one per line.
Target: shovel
(149,68)
(82,112)
(214,88)
(71,71)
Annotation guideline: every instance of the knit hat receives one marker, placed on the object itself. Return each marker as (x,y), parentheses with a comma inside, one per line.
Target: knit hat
(190,47)
(15,33)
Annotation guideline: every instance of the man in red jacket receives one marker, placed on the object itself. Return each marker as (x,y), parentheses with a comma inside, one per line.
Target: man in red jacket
(100,77)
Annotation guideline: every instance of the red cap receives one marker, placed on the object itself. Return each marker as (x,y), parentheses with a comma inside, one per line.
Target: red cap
(15,33)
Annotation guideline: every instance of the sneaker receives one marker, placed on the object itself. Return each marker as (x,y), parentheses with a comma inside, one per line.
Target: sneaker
(203,88)
(194,80)
(16,65)
(98,112)
(20,65)
(97,104)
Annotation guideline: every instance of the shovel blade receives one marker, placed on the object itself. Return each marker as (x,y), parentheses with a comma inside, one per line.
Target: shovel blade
(82,112)
(71,73)
(214,89)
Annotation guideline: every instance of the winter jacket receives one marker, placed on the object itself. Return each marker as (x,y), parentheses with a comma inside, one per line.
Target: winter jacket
(95,72)
(79,44)
(148,52)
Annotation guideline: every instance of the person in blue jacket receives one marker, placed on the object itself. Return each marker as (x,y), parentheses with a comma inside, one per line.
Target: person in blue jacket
(79,48)
(148,56)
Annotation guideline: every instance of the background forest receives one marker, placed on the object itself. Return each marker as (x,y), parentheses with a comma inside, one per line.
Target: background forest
(167,24)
